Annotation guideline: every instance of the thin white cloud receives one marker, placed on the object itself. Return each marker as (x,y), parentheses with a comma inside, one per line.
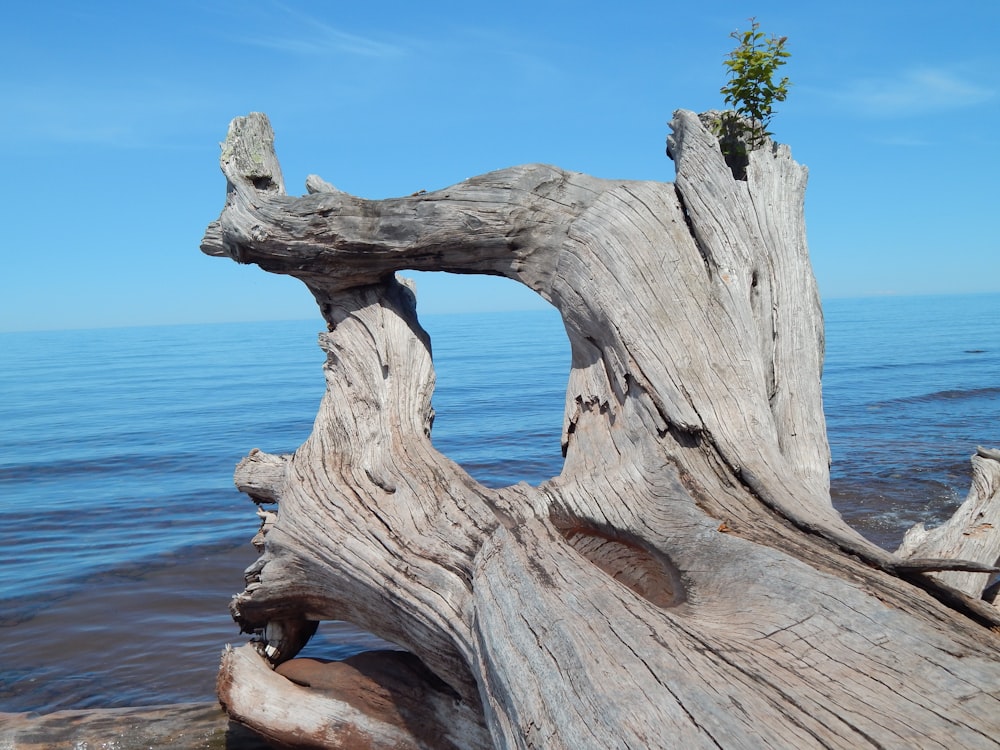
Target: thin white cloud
(913,92)
(308,36)
(904,141)
(330,41)
(78,112)
(514,51)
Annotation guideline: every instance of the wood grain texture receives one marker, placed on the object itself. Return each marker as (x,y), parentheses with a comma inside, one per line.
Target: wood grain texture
(685,581)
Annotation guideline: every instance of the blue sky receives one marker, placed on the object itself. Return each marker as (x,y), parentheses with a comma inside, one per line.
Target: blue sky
(112,113)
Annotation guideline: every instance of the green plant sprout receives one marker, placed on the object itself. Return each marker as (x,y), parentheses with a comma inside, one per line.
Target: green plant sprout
(751,89)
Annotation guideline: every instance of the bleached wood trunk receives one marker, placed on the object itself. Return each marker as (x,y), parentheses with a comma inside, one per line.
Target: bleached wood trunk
(684,582)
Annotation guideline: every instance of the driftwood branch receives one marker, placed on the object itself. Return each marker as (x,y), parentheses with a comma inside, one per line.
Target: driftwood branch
(685,580)
(972,533)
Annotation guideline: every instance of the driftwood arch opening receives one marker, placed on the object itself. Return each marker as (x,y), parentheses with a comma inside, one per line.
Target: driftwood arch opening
(685,581)
(500,385)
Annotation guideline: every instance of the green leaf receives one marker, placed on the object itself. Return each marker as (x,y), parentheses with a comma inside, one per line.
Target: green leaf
(751,90)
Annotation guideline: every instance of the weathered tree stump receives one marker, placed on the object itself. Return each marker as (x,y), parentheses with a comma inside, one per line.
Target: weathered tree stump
(685,581)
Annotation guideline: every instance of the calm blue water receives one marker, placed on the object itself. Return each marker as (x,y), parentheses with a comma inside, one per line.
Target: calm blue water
(123,537)
(911,387)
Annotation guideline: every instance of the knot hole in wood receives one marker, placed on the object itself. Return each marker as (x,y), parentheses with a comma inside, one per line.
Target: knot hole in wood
(627,559)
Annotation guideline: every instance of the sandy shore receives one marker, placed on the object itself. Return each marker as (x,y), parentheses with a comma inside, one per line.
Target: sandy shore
(186,726)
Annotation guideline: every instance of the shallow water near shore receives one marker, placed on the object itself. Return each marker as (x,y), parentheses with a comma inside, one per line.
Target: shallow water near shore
(124,538)
(911,386)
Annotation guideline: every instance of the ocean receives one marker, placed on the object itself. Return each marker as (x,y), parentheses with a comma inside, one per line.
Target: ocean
(124,538)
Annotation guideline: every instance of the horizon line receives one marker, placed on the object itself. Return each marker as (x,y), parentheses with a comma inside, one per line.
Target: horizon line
(318,318)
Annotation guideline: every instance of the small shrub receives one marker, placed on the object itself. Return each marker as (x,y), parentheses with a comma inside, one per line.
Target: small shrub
(751,89)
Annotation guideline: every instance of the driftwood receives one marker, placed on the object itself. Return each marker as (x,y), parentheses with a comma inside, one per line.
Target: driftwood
(685,581)
(178,726)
